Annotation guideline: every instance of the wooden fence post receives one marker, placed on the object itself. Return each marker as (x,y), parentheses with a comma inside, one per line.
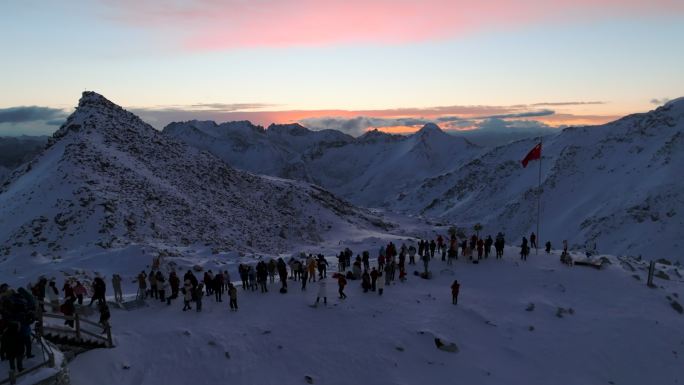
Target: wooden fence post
(110,344)
(78,326)
(651,270)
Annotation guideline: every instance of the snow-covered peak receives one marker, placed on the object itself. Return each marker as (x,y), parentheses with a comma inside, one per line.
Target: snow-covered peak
(376,135)
(109,179)
(430,129)
(294,129)
(92,98)
(675,107)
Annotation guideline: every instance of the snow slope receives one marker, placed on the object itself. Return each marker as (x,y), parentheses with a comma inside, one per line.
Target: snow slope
(371,170)
(615,185)
(530,323)
(109,180)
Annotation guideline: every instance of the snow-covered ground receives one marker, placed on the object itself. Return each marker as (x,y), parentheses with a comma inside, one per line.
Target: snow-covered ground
(507,326)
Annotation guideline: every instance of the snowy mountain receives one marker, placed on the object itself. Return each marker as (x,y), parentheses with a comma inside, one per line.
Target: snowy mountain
(371,170)
(616,185)
(108,179)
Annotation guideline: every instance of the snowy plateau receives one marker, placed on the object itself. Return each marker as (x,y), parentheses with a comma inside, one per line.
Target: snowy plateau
(109,194)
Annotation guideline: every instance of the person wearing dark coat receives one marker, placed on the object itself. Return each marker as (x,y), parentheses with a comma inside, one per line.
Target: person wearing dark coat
(524,249)
(365,281)
(218,287)
(99,289)
(374,278)
(322,266)
(68,309)
(488,246)
(105,315)
(455,288)
(548,247)
(174,281)
(13,346)
(282,272)
(433,246)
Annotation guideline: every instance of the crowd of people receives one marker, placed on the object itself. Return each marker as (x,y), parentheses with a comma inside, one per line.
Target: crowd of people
(18,307)
(391,264)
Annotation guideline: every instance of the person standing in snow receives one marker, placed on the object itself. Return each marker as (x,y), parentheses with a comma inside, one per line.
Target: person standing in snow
(99,289)
(199,293)
(433,246)
(161,285)
(380,283)
(272,270)
(426,262)
(480,248)
(242,271)
(80,291)
(548,247)
(341,282)
(440,243)
(304,272)
(366,260)
(68,289)
(499,245)
(218,285)
(322,266)
(153,285)
(565,245)
(105,315)
(187,295)
(13,347)
(533,240)
(68,309)
(421,249)
(282,272)
(365,281)
(524,249)
(455,288)
(251,276)
(488,246)
(116,284)
(232,293)
(412,255)
(174,282)
(322,291)
(451,256)
(142,285)
(311,267)
(374,278)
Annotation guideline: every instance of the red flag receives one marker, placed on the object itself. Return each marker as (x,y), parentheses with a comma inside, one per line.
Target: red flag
(535,153)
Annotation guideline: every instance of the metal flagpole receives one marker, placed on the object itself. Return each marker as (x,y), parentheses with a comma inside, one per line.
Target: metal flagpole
(536,244)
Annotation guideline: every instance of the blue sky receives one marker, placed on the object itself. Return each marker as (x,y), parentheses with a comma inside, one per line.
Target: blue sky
(149,61)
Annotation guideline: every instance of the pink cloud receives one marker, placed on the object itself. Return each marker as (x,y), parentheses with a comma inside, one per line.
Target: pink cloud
(230,24)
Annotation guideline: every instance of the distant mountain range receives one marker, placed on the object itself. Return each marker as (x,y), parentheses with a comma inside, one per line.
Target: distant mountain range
(108,178)
(16,150)
(371,170)
(614,185)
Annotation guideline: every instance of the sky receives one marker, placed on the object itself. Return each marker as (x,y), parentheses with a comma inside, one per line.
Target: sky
(351,65)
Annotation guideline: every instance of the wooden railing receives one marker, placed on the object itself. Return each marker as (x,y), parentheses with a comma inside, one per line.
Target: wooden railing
(78,330)
(48,362)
